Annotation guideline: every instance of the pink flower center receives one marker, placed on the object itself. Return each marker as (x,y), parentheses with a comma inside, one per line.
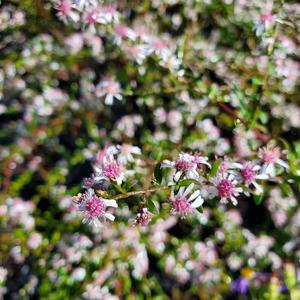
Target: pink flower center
(95,207)
(112,170)
(265,17)
(183,165)
(270,156)
(248,174)
(91,17)
(225,188)
(122,31)
(112,88)
(65,7)
(181,205)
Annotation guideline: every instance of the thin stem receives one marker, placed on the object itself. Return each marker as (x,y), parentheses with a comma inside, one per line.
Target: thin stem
(134,193)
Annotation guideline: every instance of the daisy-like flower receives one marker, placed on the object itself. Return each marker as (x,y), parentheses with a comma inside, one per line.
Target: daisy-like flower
(137,52)
(110,13)
(124,152)
(143,217)
(270,157)
(110,170)
(124,32)
(186,164)
(110,90)
(249,173)
(159,47)
(185,202)
(94,208)
(225,187)
(65,10)
(265,22)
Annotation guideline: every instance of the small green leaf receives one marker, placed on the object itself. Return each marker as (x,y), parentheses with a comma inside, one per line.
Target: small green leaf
(215,167)
(157,153)
(200,209)
(258,199)
(158,173)
(152,206)
(187,182)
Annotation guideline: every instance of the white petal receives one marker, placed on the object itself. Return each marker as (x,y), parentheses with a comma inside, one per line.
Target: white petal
(194,195)
(109,216)
(112,203)
(181,191)
(188,189)
(262,176)
(198,202)
(177,175)
(283,163)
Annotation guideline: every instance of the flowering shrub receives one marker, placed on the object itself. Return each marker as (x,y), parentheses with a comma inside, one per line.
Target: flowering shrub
(149,150)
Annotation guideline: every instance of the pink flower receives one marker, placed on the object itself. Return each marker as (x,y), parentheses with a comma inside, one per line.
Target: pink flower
(143,217)
(186,164)
(65,10)
(110,90)
(183,203)
(271,156)
(225,186)
(110,170)
(265,22)
(122,32)
(249,173)
(94,208)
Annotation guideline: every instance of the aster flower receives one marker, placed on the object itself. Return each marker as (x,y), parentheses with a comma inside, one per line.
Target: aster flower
(110,170)
(265,22)
(124,152)
(186,164)
(159,47)
(110,90)
(65,10)
(143,217)
(94,208)
(137,52)
(225,187)
(271,156)
(123,32)
(184,202)
(249,173)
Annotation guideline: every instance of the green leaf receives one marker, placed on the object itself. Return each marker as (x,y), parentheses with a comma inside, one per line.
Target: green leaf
(187,182)
(157,153)
(286,189)
(152,206)
(258,199)
(215,168)
(158,173)
(200,209)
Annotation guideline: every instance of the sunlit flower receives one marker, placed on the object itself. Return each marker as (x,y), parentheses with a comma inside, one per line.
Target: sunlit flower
(143,216)
(186,164)
(124,152)
(110,90)
(249,173)
(65,10)
(184,202)
(265,22)
(270,157)
(124,32)
(225,187)
(94,208)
